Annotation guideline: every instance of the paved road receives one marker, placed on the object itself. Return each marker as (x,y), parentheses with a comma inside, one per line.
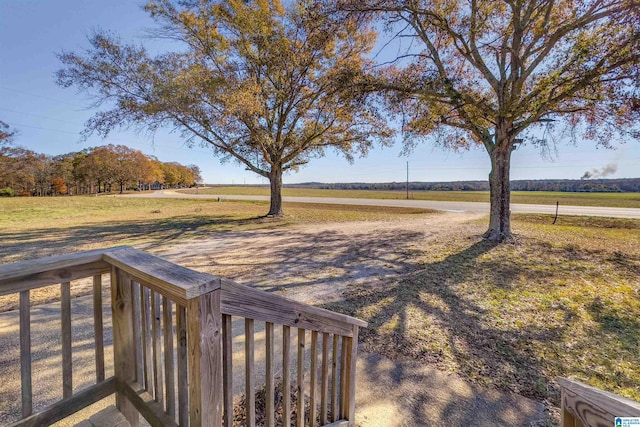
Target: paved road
(425,204)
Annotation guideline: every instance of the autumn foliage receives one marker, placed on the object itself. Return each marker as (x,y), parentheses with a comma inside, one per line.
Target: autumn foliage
(274,84)
(94,170)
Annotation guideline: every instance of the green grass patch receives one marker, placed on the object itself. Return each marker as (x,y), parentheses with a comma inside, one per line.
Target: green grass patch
(621,200)
(562,300)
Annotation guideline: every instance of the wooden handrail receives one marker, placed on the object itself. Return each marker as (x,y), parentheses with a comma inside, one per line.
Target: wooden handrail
(175,282)
(171,280)
(32,274)
(70,406)
(240,300)
(590,407)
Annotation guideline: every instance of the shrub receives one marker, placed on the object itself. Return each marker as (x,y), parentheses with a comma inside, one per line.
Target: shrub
(6,192)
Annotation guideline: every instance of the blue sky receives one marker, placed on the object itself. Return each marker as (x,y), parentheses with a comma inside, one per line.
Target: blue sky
(49,118)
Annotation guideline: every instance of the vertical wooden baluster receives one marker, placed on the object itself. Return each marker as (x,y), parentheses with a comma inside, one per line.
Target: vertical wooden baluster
(566,418)
(123,346)
(300,385)
(98,327)
(183,391)
(158,386)
(227,362)
(169,363)
(352,358)
(146,338)
(324,388)
(137,332)
(335,412)
(343,377)
(270,392)
(286,376)
(25,354)
(250,383)
(313,382)
(67,371)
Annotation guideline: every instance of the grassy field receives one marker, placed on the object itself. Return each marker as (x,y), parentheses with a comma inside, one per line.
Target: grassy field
(622,200)
(562,300)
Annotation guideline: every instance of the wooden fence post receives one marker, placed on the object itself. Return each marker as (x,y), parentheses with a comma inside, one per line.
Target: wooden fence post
(204,341)
(352,358)
(123,345)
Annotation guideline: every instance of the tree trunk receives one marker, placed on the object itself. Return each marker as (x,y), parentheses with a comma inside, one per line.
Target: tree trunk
(275,179)
(500,194)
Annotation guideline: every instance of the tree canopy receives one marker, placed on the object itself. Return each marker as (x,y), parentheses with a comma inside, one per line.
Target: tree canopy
(502,72)
(267,85)
(26,173)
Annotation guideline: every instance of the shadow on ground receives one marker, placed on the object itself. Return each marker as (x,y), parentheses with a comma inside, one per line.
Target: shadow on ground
(36,243)
(422,312)
(307,266)
(432,316)
(410,393)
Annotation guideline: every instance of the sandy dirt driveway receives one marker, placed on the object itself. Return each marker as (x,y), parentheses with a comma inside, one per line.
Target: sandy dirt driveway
(316,263)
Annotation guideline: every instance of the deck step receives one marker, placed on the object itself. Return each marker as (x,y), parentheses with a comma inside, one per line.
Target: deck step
(108,417)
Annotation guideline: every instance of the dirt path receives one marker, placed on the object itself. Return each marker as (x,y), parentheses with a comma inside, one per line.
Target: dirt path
(316,263)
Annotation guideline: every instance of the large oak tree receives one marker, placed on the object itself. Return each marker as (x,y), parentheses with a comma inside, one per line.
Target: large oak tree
(266,85)
(502,72)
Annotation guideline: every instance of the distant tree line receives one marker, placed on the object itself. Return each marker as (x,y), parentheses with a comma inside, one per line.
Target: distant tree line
(93,170)
(630,185)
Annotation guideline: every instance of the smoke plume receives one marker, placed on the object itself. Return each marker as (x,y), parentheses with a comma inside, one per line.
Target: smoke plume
(603,172)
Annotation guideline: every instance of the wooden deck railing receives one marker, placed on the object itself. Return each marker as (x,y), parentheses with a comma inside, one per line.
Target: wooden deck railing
(172,344)
(585,406)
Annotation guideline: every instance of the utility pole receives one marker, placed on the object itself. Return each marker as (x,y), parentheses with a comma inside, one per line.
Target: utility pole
(407,180)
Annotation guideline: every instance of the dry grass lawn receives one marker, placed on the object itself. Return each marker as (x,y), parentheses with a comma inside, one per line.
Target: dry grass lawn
(560,301)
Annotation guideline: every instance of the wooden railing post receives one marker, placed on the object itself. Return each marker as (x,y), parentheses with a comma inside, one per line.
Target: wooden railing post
(204,341)
(352,358)
(123,345)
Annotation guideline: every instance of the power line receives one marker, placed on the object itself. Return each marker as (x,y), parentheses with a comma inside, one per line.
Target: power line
(40,96)
(39,116)
(16,125)
(116,141)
